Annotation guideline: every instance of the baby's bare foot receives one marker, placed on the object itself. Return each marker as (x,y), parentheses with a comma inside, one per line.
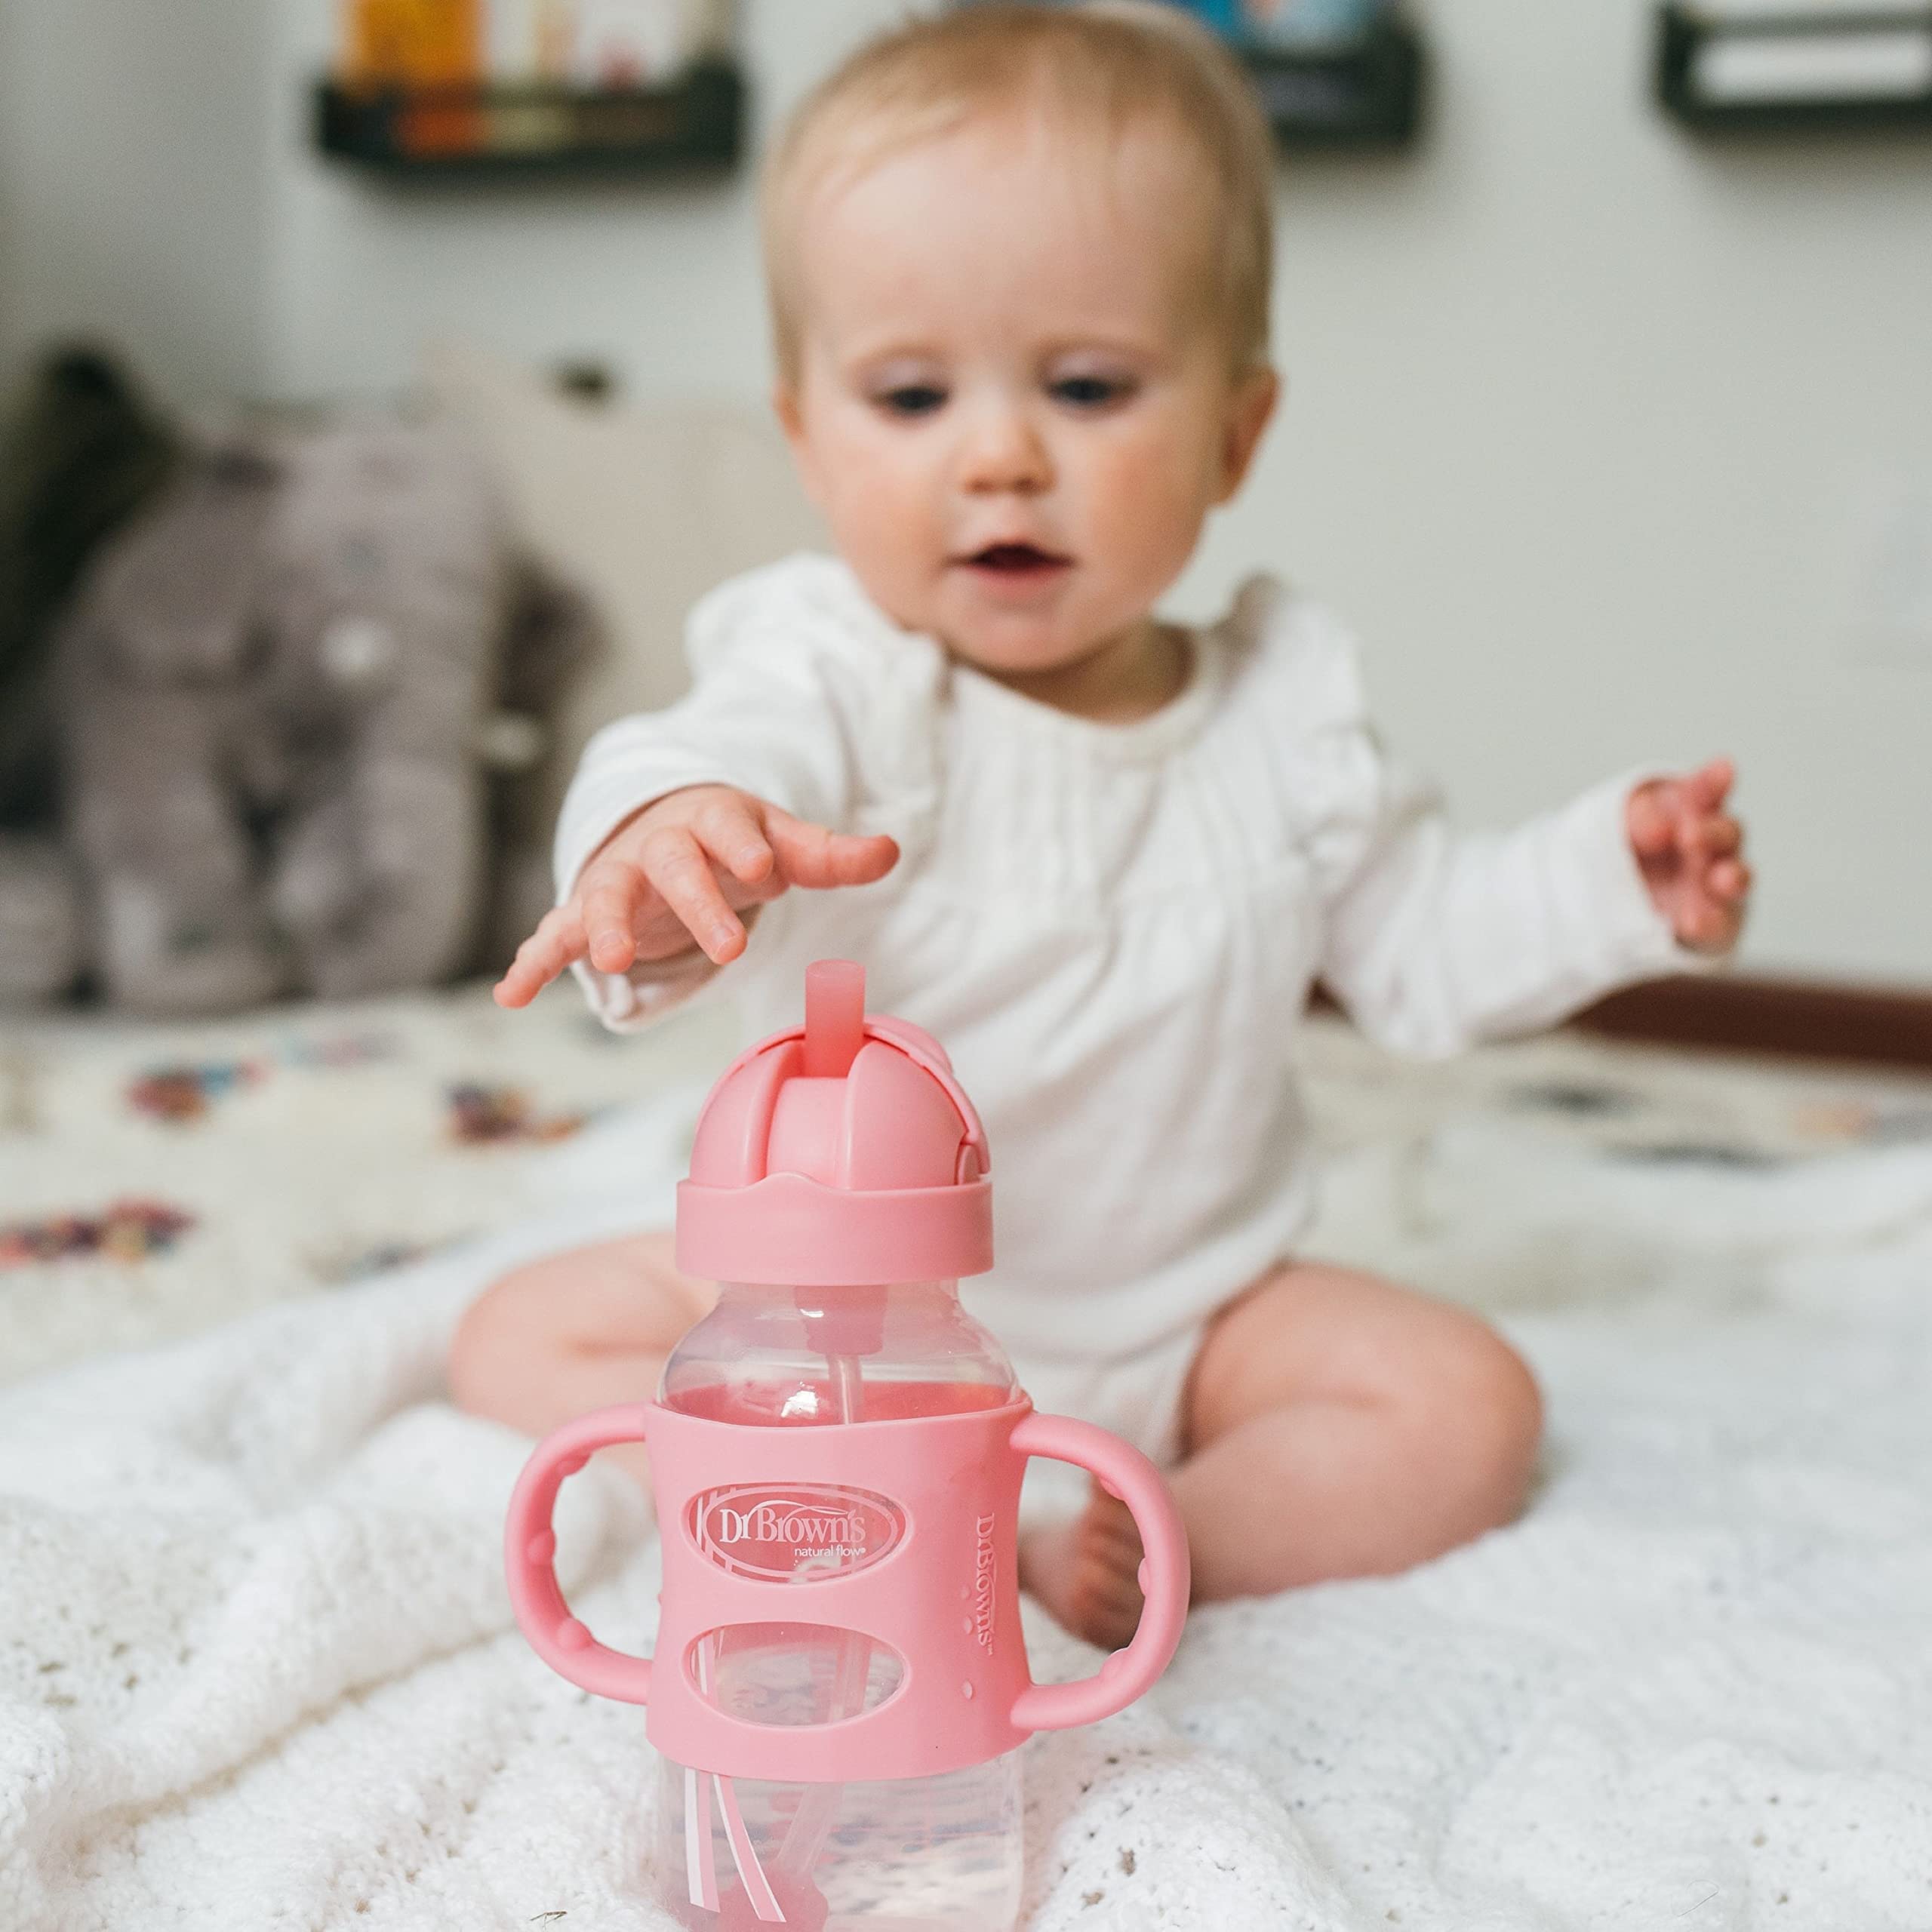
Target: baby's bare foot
(1087,1572)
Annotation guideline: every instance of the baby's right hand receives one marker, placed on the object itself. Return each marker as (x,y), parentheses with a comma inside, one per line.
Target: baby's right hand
(681,870)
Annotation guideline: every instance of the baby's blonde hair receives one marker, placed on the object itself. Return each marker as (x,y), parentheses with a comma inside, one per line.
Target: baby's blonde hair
(1107,64)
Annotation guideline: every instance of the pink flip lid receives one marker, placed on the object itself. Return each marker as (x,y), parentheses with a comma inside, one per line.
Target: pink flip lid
(842,1151)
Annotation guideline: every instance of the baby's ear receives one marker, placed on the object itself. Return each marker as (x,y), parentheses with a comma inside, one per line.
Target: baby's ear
(786,406)
(1249,409)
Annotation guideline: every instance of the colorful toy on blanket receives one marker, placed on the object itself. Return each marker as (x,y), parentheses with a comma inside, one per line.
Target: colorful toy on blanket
(183,1092)
(488,1116)
(840,1686)
(180,1095)
(129,1230)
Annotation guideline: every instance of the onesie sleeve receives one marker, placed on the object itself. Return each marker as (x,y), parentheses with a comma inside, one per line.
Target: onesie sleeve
(791,670)
(1434,941)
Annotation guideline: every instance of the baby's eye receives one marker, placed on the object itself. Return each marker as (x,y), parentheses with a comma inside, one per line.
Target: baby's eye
(911,399)
(1089,391)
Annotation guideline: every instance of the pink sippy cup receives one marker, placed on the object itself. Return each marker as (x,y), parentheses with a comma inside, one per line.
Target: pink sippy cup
(840,1688)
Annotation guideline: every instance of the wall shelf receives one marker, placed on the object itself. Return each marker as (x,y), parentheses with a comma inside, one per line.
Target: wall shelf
(534,132)
(1721,71)
(1364,93)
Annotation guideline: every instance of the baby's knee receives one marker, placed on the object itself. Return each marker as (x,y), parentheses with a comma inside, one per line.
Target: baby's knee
(494,1339)
(1487,1416)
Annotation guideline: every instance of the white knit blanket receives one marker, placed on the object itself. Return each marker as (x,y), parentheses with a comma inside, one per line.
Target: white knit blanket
(257,1670)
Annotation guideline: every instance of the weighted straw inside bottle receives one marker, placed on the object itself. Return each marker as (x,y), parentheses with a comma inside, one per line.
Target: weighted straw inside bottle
(846,1325)
(812,1821)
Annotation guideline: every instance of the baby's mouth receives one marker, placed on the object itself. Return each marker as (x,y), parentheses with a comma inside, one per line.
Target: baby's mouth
(1016,561)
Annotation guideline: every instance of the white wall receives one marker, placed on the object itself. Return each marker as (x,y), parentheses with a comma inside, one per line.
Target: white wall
(1580,408)
(659,280)
(133,191)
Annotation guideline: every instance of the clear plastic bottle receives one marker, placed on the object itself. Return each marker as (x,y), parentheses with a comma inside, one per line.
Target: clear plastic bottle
(919,1854)
(842,1157)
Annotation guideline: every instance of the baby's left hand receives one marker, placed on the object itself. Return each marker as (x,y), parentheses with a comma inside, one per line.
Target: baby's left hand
(1691,853)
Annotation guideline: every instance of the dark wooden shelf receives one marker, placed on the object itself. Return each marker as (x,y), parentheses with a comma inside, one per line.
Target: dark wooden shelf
(1366,93)
(1690,40)
(533,132)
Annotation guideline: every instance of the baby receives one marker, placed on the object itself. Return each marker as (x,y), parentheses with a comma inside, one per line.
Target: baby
(1019,261)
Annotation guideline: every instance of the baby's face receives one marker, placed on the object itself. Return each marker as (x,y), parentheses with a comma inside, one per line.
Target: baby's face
(1013,409)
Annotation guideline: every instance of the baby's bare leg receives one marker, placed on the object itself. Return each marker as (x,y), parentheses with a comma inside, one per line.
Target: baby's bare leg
(573,1332)
(1340,1426)
(1336,1426)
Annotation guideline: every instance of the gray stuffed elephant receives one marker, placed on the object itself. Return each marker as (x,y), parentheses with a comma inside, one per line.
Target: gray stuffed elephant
(277,687)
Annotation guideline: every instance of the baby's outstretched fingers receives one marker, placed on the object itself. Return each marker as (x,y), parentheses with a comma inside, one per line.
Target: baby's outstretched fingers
(728,825)
(558,940)
(1723,836)
(811,855)
(1651,824)
(677,865)
(610,892)
(1712,782)
(1731,879)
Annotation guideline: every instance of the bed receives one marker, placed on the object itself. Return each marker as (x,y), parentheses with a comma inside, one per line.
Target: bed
(257,1666)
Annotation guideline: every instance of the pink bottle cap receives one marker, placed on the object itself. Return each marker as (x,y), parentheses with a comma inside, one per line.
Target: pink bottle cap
(841,1152)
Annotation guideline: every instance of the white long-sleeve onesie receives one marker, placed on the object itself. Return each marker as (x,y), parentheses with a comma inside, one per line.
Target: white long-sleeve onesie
(1114,929)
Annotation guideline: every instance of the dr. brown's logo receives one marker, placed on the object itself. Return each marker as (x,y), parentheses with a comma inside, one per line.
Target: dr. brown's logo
(799,1530)
(984,1564)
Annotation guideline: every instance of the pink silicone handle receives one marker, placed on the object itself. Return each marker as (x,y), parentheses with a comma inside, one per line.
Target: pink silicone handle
(530,1557)
(1124,1472)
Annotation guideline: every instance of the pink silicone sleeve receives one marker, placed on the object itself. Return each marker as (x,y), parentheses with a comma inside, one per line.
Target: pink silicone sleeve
(1164,1578)
(567,1647)
(529,1555)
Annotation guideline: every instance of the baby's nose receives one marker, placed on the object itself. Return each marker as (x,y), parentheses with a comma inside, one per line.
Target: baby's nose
(1004,450)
